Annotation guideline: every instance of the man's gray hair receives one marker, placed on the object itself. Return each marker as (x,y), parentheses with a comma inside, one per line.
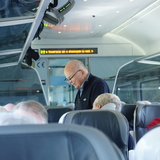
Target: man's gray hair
(106,98)
(33,106)
(10,118)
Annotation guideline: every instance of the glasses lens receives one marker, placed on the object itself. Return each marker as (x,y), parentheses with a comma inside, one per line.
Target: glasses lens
(67,80)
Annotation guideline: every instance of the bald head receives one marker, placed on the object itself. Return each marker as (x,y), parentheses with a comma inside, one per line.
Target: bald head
(74,65)
(75,72)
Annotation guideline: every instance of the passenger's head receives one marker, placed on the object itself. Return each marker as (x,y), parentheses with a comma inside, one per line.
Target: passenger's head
(75,73)
(10,118)
(9,106)
(107,100)
(32,109)
(2,109)
(148,147)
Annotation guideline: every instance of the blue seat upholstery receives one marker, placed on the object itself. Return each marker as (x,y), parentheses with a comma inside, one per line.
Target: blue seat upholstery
(143,115)
(111,123)
(55,142)
(54,113)
(128,111)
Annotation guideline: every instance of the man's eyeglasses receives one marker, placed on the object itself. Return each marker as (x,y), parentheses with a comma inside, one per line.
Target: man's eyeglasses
(68,80)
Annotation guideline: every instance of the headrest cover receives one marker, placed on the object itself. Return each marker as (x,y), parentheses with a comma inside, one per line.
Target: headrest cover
(109,106)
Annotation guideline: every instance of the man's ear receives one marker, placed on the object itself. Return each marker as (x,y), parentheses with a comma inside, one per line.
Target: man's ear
(82,71)
(99,106)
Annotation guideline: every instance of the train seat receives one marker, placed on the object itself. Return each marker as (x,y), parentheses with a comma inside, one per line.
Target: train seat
(56,141)
(143,115)
(112,123)
(128,111)
(54,113)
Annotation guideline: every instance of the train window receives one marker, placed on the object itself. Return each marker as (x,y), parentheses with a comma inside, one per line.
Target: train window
(19,23)
(125,93)
(13,36)
(19,83)
(143,75)
(18,8)
(150,90)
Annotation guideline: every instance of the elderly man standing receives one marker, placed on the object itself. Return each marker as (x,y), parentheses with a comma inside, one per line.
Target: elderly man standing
(88,85)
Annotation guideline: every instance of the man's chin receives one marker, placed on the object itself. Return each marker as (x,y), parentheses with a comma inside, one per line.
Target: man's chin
(77,87)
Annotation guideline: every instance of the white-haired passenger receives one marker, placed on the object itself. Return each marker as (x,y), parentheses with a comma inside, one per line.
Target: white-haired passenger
(107,101)
(10,118)
(9,106)
(33,109)
(111,101)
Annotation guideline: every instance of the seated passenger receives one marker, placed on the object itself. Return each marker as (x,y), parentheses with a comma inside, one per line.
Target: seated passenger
(32,109)
(9,118)
(9,106)
(111,102)
(2,109)
(107,101)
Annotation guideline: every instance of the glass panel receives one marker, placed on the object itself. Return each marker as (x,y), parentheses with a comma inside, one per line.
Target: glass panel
(11,58)
(157,59)
(20,83)
(18,8)
(13,37)
(126,93)
(151,90)
(144,81)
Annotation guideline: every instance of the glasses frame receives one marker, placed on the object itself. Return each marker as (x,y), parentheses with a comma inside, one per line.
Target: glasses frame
(68,80)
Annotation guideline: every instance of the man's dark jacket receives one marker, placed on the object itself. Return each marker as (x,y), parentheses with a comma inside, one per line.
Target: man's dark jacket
(92,88)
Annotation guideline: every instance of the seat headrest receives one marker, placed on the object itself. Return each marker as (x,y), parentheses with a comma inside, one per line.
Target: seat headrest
(128,111)
(54,113)
(55,141)
(112,123)
(145,114)
(109,106)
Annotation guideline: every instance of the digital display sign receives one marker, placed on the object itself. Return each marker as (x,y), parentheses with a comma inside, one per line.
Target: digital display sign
(68,51)
(64,7)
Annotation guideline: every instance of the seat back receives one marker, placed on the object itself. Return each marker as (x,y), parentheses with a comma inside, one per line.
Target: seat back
(55,142)
(128,111)
(143,115)
(111,123)
(54,113)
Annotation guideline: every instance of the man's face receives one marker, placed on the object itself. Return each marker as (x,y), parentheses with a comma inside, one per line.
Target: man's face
(75,78)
